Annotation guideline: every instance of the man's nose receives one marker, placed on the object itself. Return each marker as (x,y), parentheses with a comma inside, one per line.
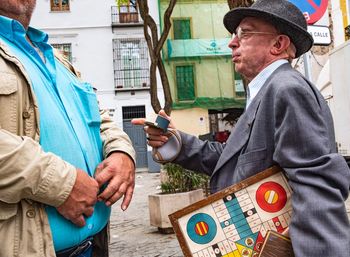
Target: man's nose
(233,42)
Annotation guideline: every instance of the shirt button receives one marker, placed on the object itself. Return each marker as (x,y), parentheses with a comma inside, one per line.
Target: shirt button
(26,114)
(90,226)
(30,213)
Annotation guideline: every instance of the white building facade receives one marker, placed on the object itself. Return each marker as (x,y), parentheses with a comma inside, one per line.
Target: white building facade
(105,42)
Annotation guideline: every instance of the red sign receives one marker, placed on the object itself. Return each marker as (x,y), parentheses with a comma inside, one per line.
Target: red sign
(313,10)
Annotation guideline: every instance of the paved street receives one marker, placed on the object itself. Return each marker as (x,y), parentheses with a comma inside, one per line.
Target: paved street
(131,234)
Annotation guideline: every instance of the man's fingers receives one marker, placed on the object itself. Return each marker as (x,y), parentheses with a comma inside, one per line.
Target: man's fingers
(155,144)
(112,195)
(102,177)
(127,198)
(163,113)
(155,137)
(139,121)
(109,191)
(79,221)
(89,211)
(99,168)
(151,137)
(153,130)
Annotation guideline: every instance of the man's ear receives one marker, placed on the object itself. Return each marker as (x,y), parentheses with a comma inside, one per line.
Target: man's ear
(281,45)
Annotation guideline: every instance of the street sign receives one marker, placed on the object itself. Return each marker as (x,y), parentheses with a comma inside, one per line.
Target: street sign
(313,10)
(320,34)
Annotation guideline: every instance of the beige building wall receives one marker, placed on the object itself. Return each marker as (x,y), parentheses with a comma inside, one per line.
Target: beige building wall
(193,121)
(213,77)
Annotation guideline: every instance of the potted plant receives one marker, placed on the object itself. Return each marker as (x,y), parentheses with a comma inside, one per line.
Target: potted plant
(179,188)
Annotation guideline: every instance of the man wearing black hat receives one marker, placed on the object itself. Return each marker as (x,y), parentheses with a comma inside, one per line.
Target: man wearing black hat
(286,123)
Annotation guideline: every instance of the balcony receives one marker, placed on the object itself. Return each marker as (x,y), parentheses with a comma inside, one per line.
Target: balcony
(135,79)
(130,85)
(125,16)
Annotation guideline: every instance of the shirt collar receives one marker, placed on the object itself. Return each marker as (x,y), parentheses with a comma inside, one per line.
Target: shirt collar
(11,29)
(7,27)
(256,84)
(37,36)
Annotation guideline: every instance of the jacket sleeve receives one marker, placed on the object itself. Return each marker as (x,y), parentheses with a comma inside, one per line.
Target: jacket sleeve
(198,155)
(114,139)
(29,173)
(318,176)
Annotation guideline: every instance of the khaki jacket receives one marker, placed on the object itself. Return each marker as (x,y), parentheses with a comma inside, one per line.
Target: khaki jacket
(29,177)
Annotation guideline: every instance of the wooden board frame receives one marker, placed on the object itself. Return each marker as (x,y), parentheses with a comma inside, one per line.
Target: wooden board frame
(174,217)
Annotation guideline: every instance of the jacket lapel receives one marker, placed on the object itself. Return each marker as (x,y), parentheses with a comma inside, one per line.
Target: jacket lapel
(239,134)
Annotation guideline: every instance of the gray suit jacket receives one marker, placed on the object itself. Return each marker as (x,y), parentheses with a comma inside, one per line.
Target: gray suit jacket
(288,123)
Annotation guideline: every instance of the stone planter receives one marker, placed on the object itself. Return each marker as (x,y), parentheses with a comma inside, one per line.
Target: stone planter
(161,205)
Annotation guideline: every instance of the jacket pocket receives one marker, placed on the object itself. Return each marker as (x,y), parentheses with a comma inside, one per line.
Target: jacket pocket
(250,163)
(8,84)
(9,229)
(88,102)
(8,102)
(252,156)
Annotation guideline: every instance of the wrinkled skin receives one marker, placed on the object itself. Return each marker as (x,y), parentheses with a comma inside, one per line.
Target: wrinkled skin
(20,10)
(118,170)
(252,53)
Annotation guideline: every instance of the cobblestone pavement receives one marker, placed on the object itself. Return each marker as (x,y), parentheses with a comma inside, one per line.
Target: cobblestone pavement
(131,233)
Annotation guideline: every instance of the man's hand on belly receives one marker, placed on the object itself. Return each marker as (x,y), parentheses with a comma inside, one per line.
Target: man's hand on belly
(81,200)
(118,170)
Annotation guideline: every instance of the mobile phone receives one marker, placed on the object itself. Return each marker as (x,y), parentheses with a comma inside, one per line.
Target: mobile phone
(160,123)
(153,125)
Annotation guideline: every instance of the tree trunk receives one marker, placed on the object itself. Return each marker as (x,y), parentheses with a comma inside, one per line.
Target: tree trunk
(154,47)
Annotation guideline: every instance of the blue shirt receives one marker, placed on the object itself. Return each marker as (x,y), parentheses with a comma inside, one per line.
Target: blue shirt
(69,121)
(256,84)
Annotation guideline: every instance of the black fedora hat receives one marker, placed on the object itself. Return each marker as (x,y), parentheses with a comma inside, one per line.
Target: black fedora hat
(284,15)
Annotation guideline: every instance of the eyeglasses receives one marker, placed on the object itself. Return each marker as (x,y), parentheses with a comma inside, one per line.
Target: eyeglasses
(240,33)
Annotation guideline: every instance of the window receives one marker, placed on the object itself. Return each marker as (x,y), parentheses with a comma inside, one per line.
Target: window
(128,12)
(185,83)
(65,49)
(131,112)
(131,70)
(59,5)
(129,6)
(182,28)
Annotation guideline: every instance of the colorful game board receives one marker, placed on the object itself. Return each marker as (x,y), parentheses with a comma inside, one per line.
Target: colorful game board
(235,221)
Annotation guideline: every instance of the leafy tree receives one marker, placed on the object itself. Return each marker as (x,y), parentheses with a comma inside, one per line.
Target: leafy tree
(122,2)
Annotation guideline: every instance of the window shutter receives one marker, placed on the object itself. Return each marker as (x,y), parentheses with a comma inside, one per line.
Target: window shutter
(185,83)
(182,29)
